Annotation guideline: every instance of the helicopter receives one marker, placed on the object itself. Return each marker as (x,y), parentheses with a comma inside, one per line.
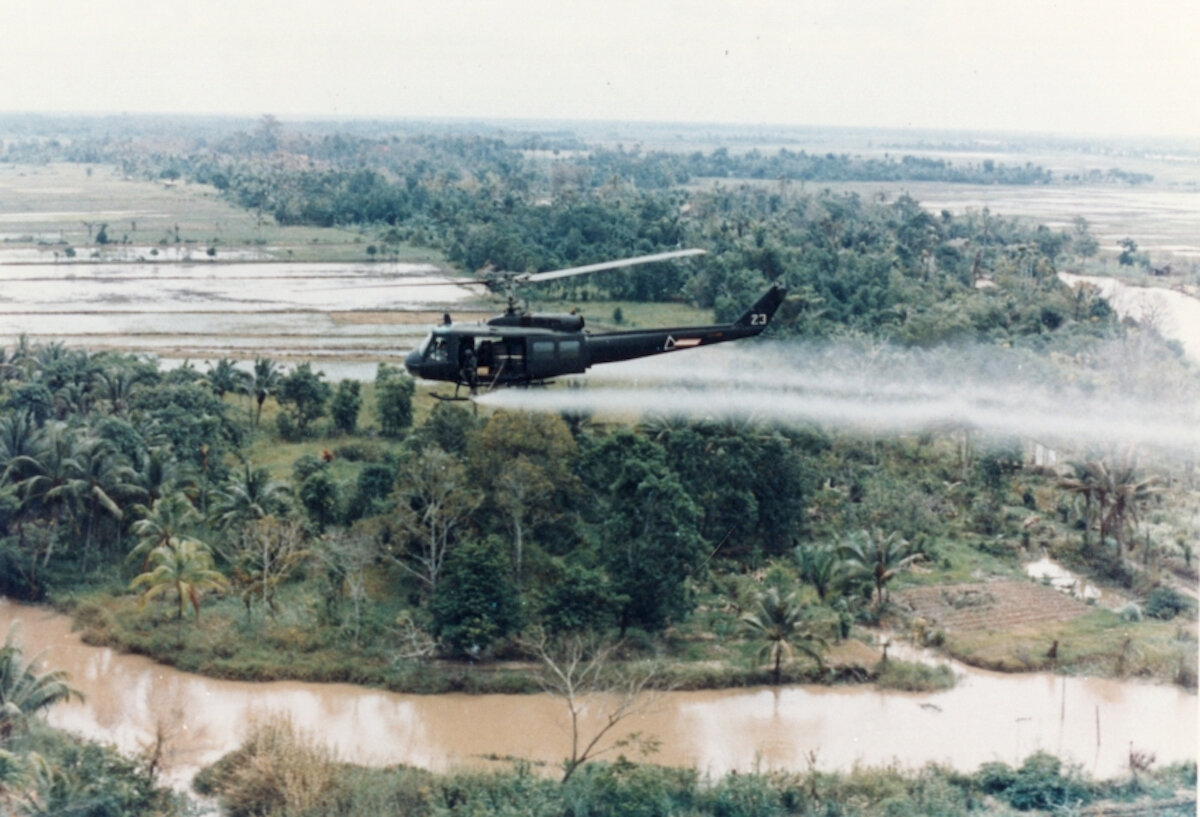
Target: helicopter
(525,348)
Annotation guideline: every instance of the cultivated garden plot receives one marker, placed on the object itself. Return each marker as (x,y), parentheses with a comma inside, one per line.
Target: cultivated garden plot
(998,605)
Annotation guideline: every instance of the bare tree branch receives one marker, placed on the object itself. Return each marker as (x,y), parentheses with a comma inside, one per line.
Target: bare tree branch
(584,674)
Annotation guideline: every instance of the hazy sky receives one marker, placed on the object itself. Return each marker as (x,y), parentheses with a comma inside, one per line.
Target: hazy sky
(1074,66)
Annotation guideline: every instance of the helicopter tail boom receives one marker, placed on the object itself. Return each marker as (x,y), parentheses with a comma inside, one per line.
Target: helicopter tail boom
(610,347)
(764,309)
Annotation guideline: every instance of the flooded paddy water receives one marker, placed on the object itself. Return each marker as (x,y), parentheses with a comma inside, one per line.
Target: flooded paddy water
(1162,220)
(207,310)
(987,717)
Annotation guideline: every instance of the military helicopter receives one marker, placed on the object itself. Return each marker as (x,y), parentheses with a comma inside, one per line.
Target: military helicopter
(524,348)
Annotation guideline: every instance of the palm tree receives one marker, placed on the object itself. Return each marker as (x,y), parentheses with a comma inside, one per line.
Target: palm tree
(263,383)
(41,477)
(23,357)
(777,621)
(18,438)
(823,568)
(185,570)
(1127,495)
(1118,495)
(1087,481)
(159,473)
(99,482)
(248,495)
(224,376)
(162,525)
(116,385)
(878,557)
(23,690)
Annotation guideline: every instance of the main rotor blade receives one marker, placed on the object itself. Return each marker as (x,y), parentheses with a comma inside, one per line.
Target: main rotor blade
(606,265)
(446,283)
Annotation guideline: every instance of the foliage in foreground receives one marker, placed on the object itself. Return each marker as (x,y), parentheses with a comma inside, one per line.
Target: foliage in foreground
(279,771)
(47,772)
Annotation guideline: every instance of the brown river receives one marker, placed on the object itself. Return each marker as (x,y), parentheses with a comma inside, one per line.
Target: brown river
(988,716)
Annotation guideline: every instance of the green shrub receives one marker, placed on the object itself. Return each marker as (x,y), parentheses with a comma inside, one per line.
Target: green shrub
(1041,784)
(913,676)
(995,778)
(359,452)
(84,778)
(475,603)
(1165,603)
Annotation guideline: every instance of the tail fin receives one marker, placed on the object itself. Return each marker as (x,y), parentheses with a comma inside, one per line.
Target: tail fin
(759,315)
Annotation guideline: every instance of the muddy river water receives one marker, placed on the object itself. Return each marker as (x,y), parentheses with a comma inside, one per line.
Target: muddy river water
(988,716)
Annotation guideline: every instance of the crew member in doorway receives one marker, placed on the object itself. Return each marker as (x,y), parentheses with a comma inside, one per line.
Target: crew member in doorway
(469,373)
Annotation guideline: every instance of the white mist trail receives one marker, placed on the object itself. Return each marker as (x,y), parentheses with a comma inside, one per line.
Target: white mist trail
(881,390)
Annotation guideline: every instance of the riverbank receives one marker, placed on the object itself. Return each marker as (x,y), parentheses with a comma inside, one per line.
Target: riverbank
(1002,625)
(225,646)
(278,769)
(130,699)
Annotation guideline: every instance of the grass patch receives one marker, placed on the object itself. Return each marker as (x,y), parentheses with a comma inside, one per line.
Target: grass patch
(61,199)
(293,645)
(955,560)
(1098,643)
(914,676)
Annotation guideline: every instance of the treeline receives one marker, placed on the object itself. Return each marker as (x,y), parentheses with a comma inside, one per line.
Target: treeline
(665,169)
(879,266)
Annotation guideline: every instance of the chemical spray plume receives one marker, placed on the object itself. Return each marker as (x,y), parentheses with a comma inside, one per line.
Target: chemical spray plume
(885,390)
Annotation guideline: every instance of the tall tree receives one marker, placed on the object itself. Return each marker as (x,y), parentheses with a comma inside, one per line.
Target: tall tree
(42,478)
(269,551)
(100,483)
(264,383)
(303,394)
(434,502)
(347,400)
(1117,492)
(116,385)
(348,556)
(652,544)
(525,461)
(393,400)
(477,603)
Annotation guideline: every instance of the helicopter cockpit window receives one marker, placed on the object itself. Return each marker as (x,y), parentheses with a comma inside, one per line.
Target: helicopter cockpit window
(543,350)
(436,350)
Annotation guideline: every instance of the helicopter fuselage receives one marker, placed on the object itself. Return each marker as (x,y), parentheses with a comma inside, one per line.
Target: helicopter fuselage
(520,349)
